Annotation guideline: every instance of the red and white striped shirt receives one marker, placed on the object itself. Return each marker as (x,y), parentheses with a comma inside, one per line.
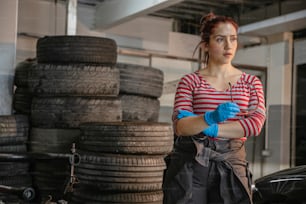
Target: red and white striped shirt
(196,95)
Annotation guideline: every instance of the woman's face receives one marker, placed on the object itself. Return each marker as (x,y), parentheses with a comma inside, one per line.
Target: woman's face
(222,44)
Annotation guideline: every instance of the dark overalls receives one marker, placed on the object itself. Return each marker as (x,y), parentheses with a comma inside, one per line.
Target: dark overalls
(205,171)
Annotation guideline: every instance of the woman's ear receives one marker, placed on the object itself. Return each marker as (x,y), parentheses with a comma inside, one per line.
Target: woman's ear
(204,46)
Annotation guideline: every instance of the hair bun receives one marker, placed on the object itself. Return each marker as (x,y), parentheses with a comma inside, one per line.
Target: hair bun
(207,18)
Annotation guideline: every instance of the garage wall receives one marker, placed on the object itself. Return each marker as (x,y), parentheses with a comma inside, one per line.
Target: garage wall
(300,51)
(276,55)
(8,23)
(41,18)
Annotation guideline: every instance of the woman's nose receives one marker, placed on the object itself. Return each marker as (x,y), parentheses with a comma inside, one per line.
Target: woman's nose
(228,44)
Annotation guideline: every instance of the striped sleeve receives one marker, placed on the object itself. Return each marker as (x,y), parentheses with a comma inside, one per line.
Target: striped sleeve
(253,123)
(184,94)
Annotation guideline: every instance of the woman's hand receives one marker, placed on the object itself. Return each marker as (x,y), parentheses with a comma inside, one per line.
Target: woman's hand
(223,112)
(211,131)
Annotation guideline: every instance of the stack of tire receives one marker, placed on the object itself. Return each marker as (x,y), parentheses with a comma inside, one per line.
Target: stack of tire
(123,162)
(75,81)
(14,172)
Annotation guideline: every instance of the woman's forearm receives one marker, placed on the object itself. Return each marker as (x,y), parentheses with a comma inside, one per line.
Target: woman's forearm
(195,124)
(230,130)
(190,125)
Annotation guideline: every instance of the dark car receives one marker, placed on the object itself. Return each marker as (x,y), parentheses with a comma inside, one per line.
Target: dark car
(286,186)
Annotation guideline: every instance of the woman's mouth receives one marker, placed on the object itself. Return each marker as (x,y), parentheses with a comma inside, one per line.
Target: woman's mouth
(227,54)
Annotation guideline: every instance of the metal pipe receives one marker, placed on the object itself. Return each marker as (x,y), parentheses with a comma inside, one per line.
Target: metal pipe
(28,156)
(71,17)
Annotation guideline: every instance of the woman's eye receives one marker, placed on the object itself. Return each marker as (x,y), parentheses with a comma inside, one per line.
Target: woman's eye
(219,39)
(233,39)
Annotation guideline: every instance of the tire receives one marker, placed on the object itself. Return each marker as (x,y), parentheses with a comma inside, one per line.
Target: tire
(14,130)
(49,148)
(122,173)
(47,184)
(94,196)
(22,100)
(14,168)
(127,138)
(140,80)
(139,108)
(134,163)
(124,180)
(53,140)
(16,181)
(17,148)
(70,112)
(9,140)
(54,136)
(21,72)
(50,176)
(76,49)
(73,80)
(53,167)
(13,124)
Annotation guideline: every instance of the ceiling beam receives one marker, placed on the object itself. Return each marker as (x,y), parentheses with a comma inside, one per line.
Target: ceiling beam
(194,7)
(208,3)
(115,12)
(285,23)
(183,11)
(175,15)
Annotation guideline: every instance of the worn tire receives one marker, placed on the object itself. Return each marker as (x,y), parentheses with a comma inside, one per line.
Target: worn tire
(70,112)
(14,168)
(124,165)
(22,100)
(53,140)
(127,137)
(73,80)
(76,49)
(14,130)
(21,72)
(49,177)
(16,181)
(139,108)
(14,125)
(91,195)
(140,80)
(16,148)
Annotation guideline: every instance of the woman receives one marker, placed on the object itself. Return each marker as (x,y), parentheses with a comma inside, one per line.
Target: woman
(216,109)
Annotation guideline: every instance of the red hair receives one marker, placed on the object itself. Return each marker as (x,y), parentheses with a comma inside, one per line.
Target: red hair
(207,25)
(210,21)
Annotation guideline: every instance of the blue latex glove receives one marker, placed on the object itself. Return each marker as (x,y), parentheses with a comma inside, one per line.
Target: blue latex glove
(223,112)
(211,131)
(184,113)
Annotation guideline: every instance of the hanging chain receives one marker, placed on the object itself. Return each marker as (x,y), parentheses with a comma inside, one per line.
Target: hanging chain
(74,161)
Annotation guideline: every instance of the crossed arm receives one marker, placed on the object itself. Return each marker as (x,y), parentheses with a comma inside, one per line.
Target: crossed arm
(196,124)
